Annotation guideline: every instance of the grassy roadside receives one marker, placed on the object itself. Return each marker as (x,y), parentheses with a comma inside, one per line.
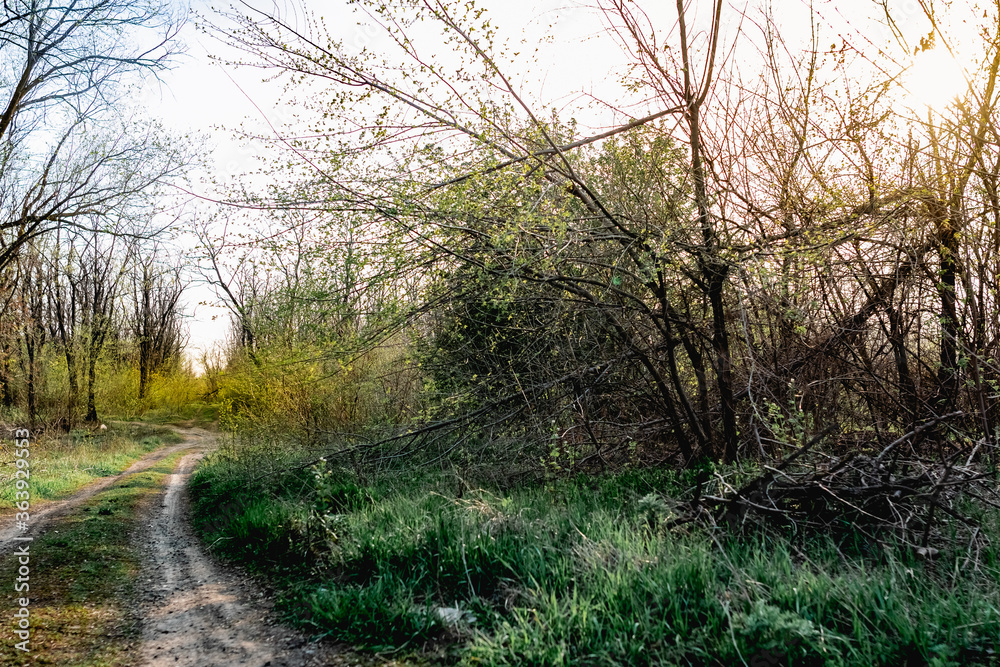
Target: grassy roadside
(193,414)
(82,579)
(62,465)
(583,572)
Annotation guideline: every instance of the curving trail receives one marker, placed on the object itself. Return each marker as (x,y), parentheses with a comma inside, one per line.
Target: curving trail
(193,611)
(198,613)
(43,513)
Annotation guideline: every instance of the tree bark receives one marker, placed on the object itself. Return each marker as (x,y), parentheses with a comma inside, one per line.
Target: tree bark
(714,268)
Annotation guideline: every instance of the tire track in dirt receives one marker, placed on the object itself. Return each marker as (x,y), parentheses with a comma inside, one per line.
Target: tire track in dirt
(44,512)
(198,613)
(193,612)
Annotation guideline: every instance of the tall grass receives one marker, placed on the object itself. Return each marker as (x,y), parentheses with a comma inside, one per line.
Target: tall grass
(62,464)
(582,572)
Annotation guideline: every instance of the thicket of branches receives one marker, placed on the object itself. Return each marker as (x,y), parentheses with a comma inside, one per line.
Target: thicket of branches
(760,256)
(86,304)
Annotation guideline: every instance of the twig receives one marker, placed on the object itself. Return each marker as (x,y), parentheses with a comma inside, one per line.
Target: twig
(920,429)
(806,447)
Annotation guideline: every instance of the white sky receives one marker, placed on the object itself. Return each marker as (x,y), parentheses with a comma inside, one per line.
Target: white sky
(202,97)
(205,98)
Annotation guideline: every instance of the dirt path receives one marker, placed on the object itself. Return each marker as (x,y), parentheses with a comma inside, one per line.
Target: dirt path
(197,613)
(43,513)
(192,611)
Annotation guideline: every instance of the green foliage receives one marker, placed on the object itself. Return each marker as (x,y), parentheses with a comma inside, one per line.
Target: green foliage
(581,572)
(332,493)
(175,392)
(563,323)
(310,391)
(379,616)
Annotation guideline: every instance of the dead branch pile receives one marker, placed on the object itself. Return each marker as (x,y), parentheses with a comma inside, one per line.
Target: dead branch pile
(911,498)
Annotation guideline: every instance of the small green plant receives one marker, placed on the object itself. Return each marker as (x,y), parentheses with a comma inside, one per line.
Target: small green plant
(655,509)
(791,424)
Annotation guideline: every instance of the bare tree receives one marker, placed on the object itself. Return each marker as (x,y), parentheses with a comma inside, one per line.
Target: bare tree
(31,291)
(102,273)
(805,258)
(155,320)
(65,302)
(63,65)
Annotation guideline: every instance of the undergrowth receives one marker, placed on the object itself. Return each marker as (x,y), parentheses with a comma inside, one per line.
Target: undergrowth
(580,571)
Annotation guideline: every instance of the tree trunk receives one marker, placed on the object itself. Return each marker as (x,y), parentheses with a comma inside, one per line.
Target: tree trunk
(6,390)
(714,268)
(74,384)
(29,345)
(907,387)
(715,272)
(144,315)
(91,381)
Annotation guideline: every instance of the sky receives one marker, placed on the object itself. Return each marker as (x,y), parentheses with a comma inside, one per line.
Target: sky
(202,98)
(576,63)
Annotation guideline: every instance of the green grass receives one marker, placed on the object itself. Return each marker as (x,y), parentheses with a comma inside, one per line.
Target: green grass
(62,465)
(582,572)
(82,580)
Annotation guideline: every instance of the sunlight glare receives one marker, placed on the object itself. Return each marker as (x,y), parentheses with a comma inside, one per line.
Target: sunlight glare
(934,80)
